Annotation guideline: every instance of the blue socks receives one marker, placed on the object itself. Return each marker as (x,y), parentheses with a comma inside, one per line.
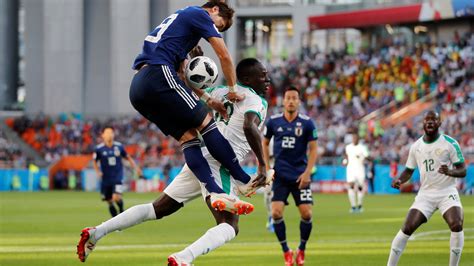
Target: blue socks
(112,209)
(280,231)
(120,205)
(221,150)
(199,166)
(305,232)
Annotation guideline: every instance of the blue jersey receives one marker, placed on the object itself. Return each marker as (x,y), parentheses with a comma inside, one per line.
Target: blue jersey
(290,143)
(110,159)
(170,42)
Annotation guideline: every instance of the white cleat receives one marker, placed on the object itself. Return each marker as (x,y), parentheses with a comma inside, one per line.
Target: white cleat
(173,260)
(232,204)
(249,189)
(86,244)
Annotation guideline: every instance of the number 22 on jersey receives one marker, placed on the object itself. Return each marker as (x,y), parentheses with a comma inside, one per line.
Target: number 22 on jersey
(161,29)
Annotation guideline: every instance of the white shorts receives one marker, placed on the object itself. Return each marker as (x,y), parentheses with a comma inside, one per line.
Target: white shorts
(185,186)
(357,177)
(429,203)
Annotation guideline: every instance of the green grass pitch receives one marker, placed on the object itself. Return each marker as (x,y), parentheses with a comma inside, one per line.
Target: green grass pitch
(43,229)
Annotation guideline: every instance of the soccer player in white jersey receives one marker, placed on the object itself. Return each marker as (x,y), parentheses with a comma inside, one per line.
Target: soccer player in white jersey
(439,160)
(242,130)
(355,155)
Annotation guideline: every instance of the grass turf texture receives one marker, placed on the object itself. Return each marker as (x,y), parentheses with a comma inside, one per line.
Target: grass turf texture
(43,229)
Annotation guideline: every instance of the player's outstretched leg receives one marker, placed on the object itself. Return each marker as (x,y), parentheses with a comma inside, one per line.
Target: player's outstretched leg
(221,150)
(199,165)
(225,231)
(352,197)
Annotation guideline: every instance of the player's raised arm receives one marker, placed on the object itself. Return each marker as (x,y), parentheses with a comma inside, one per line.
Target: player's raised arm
(252,134)
(227,65)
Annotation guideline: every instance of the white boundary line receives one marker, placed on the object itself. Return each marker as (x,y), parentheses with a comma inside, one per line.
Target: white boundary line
(32,249)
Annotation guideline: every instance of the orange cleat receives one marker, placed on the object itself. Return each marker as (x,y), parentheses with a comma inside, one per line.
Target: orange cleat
(232,204)
(86,244)
(289,261)
(300,257)
(174,261)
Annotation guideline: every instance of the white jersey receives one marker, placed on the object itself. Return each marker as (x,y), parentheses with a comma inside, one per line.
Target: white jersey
(428,157)
(233,129)
(356,154)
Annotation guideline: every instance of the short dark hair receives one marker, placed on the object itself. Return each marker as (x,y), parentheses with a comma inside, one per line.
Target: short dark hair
(245,67)
(225,11)
(106,127)
(292,88)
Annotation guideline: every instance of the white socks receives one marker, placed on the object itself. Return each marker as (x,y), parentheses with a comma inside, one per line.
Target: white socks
(352,196)
(398,245)
(360,197)
(132,216)
(456,244)
(212,239)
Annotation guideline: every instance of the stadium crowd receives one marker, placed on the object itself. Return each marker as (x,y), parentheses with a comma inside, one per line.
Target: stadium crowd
(338,90)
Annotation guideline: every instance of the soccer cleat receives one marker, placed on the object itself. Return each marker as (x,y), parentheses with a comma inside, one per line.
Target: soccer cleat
(353,210)
(248,189)
(224,202)
(289,261)
(86,244)
(174,261)
(300,257)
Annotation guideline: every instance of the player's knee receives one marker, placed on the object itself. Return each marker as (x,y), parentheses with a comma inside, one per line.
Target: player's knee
(187,136)
(351,185)
(456,226)
(277,214)
(307,216)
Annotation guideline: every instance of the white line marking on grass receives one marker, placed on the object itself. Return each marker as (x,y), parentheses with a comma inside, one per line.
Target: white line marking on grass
(423,236)
(416,236)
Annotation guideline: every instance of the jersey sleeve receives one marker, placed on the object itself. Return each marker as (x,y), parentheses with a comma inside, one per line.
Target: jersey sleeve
(123,152)
(203,25)
(455,154)
(268,130)
(96,155)
(311,131)
(411,161)
(255,106)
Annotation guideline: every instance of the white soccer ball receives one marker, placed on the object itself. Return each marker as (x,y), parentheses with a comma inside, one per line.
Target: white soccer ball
(201,72)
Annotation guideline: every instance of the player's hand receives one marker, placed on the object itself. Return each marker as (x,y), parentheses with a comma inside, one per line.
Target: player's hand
(196,51)
(344,162)
(396,183)
(304,180)
(261,177)
(219,107)
(235,97)
(443,170)
(99,174)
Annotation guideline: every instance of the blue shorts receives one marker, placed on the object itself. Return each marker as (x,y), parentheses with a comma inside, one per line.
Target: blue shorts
(282,189)
(160,96)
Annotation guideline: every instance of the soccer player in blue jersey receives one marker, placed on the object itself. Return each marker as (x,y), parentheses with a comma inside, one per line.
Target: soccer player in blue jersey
(246,118)
(294,135)
(160,96)
(109,154)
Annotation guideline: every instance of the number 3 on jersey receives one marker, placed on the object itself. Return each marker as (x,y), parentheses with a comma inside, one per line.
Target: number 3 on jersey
(160,29)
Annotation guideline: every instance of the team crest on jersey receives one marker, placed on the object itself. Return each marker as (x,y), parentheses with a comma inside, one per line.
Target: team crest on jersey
(298,131)
(116,151)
